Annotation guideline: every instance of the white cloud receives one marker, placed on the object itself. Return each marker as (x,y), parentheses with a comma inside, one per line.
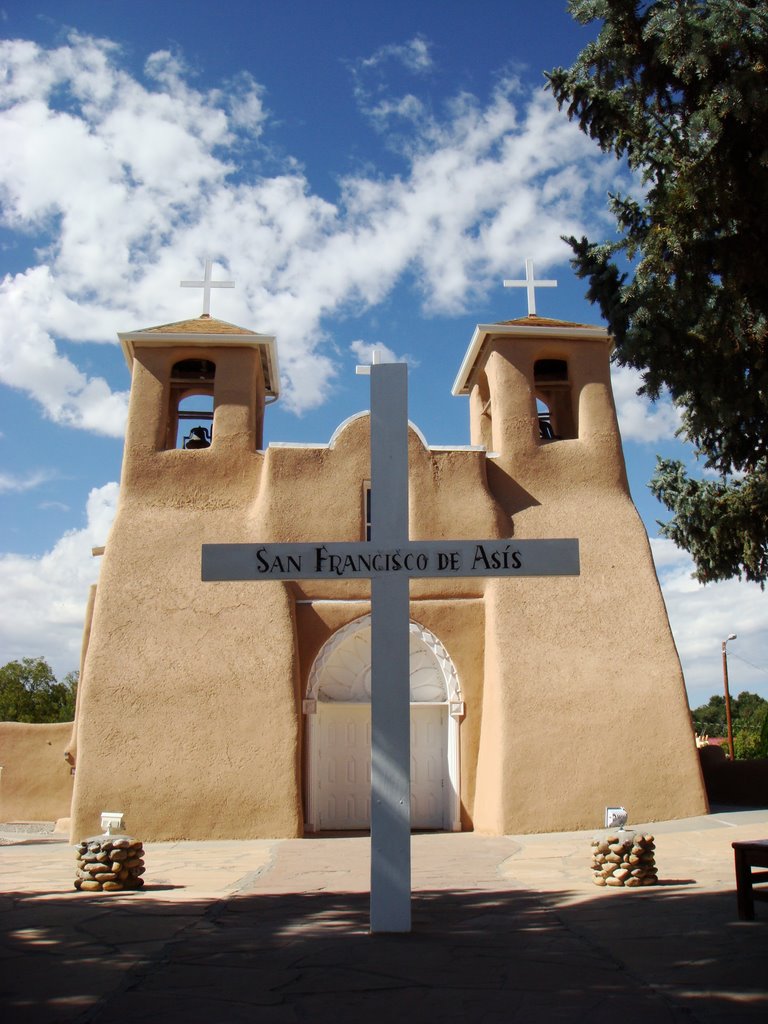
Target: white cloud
(30,303)
(640,419)
(27,482)
(147,186)
(365,351)
(246,104)
(407,108)
(413,55)
(46,597)
(703,616)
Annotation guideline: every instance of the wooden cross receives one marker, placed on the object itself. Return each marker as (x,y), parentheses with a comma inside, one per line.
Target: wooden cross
(206,284)
(530,284)
(390,559)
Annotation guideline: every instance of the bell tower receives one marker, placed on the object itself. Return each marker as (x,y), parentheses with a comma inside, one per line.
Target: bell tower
(533,380)
(196,686)
(541,404)
(572,666)
(198,384)
(201,380)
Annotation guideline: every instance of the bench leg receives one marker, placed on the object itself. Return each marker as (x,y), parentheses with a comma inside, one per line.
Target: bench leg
(744,900)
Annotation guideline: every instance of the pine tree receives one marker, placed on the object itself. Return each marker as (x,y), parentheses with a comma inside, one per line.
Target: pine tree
(679,88)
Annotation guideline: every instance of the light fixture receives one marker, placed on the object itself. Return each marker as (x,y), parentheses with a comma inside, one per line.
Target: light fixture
(112,822)
(616,817)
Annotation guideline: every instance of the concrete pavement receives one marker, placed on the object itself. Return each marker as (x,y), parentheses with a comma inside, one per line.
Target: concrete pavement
(505,930)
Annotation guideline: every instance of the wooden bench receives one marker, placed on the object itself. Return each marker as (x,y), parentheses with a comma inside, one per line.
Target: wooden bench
(750,855)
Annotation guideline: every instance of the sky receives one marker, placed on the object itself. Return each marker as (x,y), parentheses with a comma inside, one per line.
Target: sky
(368,174)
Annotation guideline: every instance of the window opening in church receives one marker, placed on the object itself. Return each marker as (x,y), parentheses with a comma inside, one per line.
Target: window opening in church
(550,370)
(546,432)
(190,423)
(553,400)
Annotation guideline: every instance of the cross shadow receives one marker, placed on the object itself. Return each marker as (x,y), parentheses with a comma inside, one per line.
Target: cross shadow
(500,955)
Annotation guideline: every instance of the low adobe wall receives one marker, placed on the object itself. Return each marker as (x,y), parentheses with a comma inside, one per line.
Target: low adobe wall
(744,783)
(35,780)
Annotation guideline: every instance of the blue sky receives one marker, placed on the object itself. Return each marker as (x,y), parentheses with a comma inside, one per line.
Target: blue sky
(368,174)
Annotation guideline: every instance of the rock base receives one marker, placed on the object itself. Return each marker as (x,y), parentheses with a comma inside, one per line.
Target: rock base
(109,864)
(624,859)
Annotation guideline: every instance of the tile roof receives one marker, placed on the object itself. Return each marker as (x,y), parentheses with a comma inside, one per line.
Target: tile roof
(206,330)
(204,324)
(532,320)
(522,327)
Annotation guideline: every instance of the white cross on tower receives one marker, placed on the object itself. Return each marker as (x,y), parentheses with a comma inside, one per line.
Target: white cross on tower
(206,284)
(530,284)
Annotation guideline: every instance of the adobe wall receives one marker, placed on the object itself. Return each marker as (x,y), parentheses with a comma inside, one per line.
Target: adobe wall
(585,703)
(744,783)
(574,694)
(200,683)
(449,498)
(191,688)
(35,779)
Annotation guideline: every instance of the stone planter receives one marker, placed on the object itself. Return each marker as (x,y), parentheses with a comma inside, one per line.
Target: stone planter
(624,859)
(109,864)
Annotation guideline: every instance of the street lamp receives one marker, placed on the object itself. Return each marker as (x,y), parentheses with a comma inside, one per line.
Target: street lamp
(731,636)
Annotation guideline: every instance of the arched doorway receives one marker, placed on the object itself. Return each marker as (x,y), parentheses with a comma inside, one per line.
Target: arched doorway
(339,732)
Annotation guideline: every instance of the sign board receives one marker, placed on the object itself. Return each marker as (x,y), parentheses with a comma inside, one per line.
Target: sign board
(433,559)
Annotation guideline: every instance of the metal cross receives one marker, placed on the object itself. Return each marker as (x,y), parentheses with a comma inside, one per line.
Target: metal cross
(206,284)
(530,284)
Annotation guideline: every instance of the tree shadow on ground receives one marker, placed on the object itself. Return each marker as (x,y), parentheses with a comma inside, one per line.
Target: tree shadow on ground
(474,955)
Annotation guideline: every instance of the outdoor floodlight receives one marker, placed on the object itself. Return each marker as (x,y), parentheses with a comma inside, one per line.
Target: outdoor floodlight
(112,822)
(616,817)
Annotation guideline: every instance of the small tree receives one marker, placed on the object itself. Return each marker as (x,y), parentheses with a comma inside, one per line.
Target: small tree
(30,692)
(749,717)
(750,714)
(710,718)
(746,743)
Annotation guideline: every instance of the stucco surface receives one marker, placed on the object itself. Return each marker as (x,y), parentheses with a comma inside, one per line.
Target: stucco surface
(584,699)
(190,715)
(35,779)
(197,692)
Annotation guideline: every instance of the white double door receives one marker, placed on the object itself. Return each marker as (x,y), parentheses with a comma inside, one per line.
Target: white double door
(344,766)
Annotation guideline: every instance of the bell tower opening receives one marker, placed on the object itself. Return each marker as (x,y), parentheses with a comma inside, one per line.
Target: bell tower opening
(191,404)
(553,399)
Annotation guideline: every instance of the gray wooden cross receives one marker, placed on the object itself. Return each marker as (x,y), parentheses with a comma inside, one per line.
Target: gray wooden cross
(206,284)
(390,560)
(530,284)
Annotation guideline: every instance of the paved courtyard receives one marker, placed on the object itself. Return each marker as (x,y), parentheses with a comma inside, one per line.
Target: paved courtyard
(505,930)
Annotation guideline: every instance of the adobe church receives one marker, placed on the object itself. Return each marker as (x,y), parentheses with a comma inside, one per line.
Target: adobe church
(243,711)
